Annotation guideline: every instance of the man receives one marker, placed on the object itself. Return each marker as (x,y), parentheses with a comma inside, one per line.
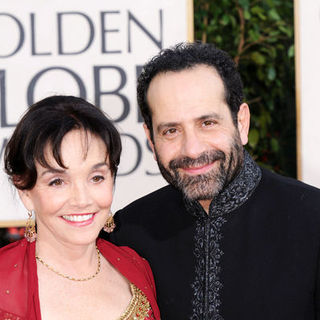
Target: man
(225,239)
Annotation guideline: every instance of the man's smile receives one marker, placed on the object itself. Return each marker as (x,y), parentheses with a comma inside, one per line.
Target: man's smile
(197,170)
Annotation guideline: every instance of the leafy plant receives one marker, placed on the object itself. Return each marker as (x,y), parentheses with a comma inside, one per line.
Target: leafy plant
(259,35)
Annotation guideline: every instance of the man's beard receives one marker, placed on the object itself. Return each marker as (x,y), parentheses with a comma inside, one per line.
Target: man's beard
(205,186)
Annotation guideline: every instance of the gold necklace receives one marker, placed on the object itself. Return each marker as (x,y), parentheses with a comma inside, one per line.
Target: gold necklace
(72,278)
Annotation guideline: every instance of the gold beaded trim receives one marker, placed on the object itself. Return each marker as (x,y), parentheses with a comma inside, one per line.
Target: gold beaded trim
(139,306)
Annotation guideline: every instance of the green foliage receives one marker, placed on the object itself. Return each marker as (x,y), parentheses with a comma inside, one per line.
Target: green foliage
(258,34)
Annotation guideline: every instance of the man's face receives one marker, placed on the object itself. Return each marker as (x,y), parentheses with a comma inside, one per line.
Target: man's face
(196,144)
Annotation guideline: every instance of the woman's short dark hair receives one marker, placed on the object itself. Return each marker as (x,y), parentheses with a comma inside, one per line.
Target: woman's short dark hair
(186,56)
(46,123)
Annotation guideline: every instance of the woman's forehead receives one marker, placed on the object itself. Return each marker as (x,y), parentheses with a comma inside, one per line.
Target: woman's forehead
(76,146)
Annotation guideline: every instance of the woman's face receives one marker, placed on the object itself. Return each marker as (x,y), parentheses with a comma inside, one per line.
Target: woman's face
(72,204)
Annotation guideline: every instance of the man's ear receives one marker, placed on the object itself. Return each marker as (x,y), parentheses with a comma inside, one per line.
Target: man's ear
(244,122)
(26,200)
(148,134)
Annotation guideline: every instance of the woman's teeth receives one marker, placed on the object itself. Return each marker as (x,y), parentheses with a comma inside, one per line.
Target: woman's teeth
(78,218)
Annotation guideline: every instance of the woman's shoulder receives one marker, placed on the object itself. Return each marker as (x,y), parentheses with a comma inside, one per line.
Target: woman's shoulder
(131,265)
(14,276)
(117,252)
(12,252)
(135,268)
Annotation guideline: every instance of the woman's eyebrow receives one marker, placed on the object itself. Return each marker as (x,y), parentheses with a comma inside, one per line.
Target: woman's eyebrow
(61,171)
(52,170)
(99,165)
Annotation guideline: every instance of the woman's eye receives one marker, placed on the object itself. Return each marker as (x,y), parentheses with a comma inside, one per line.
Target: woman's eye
(56,182)
(97,179)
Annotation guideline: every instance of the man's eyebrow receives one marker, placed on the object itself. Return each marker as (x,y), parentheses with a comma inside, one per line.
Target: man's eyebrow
(163,125)
(210,116)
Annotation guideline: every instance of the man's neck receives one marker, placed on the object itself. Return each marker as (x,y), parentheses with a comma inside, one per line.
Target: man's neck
(205,205)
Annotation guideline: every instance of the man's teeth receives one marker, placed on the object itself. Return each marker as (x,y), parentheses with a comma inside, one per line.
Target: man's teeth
(78,218)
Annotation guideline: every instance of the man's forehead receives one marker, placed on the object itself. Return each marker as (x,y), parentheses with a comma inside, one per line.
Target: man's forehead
(188,69)
(174,82)
(199,85)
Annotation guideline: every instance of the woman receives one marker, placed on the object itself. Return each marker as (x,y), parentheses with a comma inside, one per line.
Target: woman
(63,158)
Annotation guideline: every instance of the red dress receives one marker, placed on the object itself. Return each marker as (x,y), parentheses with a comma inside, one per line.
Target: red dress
(19,294)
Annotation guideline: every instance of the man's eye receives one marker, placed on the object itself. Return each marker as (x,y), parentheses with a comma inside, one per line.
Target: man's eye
(97,179)
(56,182)
(208,123)
(169,131)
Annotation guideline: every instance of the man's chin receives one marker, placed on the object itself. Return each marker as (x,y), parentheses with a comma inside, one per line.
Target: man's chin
(193,186)
(195,195)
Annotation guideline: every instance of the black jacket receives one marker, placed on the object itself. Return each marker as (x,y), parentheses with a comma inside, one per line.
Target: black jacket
(255,256)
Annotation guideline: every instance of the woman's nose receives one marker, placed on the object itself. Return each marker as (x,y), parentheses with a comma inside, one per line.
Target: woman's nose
(80,195)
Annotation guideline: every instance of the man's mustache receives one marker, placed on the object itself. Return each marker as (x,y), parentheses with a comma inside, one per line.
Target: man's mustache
(205,158)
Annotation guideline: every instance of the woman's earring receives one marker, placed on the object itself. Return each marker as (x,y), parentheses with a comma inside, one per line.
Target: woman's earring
(30,230)
(109,225)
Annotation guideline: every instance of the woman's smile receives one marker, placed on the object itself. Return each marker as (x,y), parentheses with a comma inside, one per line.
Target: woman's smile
(79,220)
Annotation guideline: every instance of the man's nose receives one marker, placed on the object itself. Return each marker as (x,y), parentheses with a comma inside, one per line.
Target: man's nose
(192,144)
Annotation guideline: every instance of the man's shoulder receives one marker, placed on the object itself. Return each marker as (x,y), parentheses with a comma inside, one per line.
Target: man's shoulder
(158,215)
(281,185)
(163,205)
(164,196)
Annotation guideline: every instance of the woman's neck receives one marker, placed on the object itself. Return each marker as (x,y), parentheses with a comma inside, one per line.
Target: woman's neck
(70,259)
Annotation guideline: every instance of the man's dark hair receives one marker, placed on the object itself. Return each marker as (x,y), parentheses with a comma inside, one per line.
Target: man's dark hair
(186,56)
(45,124)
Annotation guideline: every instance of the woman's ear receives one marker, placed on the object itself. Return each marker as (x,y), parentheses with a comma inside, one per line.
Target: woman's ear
(26,199)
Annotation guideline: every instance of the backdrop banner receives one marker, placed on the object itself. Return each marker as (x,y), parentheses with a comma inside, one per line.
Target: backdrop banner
(307,22)
(93,49)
